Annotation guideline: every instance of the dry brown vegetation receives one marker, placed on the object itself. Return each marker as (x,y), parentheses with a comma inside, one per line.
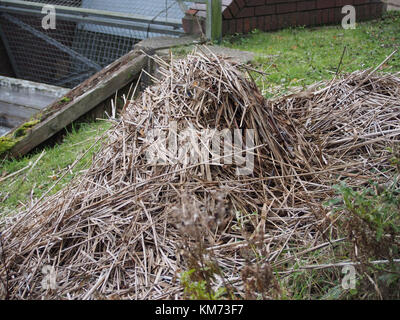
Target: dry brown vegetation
(127,228)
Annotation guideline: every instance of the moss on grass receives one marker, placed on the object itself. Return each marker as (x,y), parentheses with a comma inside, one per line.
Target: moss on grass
(23,129)
(6,143)
(9,141)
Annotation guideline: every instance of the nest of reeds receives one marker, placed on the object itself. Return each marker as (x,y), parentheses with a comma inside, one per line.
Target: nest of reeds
(129,226)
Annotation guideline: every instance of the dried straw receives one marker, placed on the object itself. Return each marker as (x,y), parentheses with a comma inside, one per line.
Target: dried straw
(118,230)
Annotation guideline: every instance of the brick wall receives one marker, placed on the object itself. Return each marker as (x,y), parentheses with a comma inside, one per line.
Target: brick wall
(242,16)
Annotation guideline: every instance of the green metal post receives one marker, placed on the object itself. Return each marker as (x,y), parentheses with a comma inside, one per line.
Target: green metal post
(214,20)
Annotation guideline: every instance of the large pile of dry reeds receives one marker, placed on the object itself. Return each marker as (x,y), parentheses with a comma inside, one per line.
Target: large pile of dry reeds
(123,229)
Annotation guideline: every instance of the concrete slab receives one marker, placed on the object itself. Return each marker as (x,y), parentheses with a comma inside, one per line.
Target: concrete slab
(393,4)
(20,99)
(160,43)
(3,131)
(236,55)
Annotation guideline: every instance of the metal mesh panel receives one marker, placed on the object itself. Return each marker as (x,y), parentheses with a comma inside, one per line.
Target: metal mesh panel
(152,8)
(161,8)
(74,51)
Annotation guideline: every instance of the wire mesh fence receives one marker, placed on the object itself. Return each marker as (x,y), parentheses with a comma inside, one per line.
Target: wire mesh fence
(75,50)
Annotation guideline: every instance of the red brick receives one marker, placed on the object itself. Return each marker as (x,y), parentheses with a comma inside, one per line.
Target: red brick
(303,18)
(306,5)
(311,17)
(300,19)
(322,4)
(359,13)
(191,26)
(239,25)
(232,26)
(265,10)
(285,20)
(246,12)
(342,3)
(247,25)
(318,17)
(240,3)
(251,3)
(331,15)
(376,10)
(227,14)
(360,2)
(242,16)
(338,15)
(225,26)
(278,1)
(281,21)
(307,17)
(325,16)
(253,23)
(187,25)
(234,9)
(286,7)
(293,18)
(271,22)
(366,11)
(260,23)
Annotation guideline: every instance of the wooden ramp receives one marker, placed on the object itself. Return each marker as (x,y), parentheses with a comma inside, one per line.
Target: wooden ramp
(21,99)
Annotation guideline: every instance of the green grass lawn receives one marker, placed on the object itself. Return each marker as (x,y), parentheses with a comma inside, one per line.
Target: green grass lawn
(302,56)
(31,183)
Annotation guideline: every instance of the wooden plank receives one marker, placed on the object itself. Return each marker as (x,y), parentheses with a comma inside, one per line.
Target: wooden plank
(127,69)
